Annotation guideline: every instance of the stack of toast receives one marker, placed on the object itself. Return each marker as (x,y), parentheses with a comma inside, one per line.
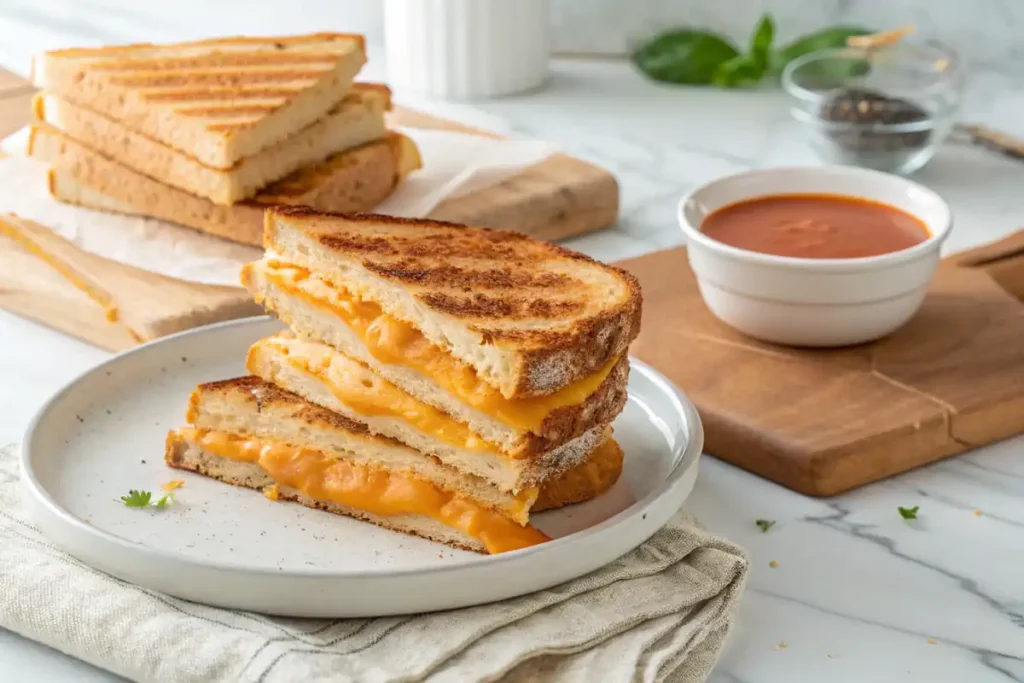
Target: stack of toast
(207,134)
(438,380)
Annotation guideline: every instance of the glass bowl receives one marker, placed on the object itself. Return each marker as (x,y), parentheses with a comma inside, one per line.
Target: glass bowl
(886,108)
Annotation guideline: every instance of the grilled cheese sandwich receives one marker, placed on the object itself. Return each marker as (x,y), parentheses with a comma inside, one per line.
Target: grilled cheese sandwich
(217,100)
(323,376)
(528,317)
(252,433)
(396,342)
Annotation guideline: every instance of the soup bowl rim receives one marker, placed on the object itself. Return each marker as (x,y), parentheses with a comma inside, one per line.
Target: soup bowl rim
(938,230)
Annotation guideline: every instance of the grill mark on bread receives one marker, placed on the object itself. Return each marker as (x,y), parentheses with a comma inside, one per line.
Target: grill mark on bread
(279,43)
(475,306)
(482,306)
(547,308)
(223,94)
(371,245)
(359,217)
(265,395)
(229,110)
(215,59)
(413,270)
(216,78)
(549,343)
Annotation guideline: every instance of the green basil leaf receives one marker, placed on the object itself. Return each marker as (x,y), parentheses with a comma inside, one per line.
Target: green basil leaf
(738,72)
(761,42)
(748,69)
(684,56)
(812,42)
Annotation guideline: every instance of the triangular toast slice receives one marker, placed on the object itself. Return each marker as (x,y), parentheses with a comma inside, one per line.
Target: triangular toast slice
(218,100)
(356,120)
(354,180)
(518,316)
(248,432)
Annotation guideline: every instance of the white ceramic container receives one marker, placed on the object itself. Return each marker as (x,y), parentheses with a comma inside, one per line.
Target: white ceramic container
(813,302)
(466,49)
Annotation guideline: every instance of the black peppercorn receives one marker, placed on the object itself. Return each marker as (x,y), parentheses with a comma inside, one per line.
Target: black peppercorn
(865,109)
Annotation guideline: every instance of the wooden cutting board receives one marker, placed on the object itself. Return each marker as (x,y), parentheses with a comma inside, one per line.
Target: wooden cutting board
(825,421)
(555,199)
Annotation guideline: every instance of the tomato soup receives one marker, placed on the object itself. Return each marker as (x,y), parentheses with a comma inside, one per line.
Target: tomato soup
(816,226)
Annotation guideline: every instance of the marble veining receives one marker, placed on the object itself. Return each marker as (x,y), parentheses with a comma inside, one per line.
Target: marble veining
(856,594)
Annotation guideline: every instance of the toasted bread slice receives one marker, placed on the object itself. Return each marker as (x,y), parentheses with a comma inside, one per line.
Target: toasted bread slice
(597,476)
(529,317)
(185,454)
(356,179)
(248,405)
(315,310)
(217,100)
(356,120)
(321,375)
(586,481)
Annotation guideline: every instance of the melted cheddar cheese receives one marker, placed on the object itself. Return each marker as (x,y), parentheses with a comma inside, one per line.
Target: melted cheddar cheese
(394,341)
(372,490)
(370,395)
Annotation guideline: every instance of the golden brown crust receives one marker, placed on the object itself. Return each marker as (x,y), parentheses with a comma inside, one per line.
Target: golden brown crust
(567,423)
(584,482)
(212,42)
(601,337)
(310,73)
(255,391)
(363,176)
(313,185)
(554,307)
(356,120)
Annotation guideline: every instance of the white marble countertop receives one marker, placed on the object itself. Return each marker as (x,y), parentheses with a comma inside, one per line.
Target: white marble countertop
(857,593)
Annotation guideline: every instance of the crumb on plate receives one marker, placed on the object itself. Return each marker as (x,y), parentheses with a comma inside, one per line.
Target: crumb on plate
(173,484)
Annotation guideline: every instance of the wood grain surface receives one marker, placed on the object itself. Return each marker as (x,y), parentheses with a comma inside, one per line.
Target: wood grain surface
(555,199)
(825,421)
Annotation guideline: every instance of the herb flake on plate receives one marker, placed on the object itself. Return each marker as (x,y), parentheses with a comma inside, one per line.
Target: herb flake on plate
(143,499)
(909,513)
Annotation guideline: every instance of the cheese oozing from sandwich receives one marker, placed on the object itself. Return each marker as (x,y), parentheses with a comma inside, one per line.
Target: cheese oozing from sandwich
(366,393)
(394,341)
(373,490)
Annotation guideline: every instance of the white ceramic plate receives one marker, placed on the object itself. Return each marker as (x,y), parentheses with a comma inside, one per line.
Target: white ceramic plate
(103,434)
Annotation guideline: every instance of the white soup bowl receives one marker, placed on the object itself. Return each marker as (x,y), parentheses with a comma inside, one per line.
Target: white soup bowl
(806,301)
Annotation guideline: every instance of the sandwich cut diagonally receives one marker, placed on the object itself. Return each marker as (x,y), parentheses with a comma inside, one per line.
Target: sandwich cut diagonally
(354,180)
(355,120)
(251,433)
(366,341)
(527,317)
(217,100)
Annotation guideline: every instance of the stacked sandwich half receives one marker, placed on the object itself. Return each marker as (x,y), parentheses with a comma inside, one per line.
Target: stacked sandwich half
(208,133)
(438,380)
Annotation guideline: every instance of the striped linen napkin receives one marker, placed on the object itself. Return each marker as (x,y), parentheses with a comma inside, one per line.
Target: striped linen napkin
(659,613)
